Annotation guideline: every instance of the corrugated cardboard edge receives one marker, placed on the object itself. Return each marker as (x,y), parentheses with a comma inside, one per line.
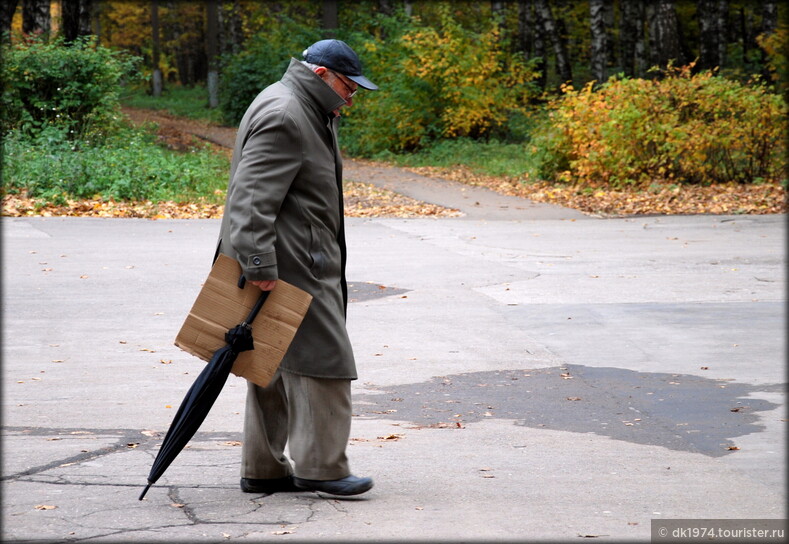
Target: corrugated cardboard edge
(221,305)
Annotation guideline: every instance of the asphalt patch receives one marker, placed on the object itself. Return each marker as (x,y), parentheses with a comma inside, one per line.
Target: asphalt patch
(677,411)
(361,291)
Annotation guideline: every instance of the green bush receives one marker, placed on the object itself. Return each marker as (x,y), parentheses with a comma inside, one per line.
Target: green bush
(262,63)
(126,165)
(448,82)
(51,84)
(684,128)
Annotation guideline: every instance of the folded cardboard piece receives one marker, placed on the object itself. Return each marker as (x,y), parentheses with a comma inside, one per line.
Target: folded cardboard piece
(221,305)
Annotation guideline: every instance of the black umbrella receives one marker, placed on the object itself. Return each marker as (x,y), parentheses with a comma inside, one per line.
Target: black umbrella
(203,394)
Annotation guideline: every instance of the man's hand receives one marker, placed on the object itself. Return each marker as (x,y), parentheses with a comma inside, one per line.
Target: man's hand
(264,285)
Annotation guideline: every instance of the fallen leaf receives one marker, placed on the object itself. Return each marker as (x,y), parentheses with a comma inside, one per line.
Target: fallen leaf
(282,533)
(177,505)
(165,361)
(132,445)
(573,398)
(231,443)
(45,507)
(733,448)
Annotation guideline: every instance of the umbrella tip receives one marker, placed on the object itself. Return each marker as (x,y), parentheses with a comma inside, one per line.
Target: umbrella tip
(144,491)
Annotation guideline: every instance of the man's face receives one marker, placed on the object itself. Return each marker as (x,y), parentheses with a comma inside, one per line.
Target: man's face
(342,86)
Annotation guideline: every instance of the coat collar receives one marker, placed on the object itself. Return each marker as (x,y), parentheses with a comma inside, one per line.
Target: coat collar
(309,85)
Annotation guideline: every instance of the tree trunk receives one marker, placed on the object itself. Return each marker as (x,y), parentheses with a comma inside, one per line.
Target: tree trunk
(36,17)
(540,51)
(744,34)
(723,30)
(524,38)
(548,25)
(769,16)
(610,24)
(769,25)
(7,10)
(75,16)
(231,28)
(599,44)
(212,50)
(664,38)
(641,60)
(157,72)
(628,17)
(329,20)
(708,34)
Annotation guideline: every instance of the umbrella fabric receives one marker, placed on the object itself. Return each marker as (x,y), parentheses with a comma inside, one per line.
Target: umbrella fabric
(202,395)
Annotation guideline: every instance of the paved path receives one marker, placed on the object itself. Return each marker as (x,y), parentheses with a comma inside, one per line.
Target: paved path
(520,380)
(526,373)
(474,202)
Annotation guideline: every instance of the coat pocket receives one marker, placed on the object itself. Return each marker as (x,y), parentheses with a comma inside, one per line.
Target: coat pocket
(318,259)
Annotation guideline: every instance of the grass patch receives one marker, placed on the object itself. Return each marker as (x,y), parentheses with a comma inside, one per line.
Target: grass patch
(189,102)
(485,158)
(128,165)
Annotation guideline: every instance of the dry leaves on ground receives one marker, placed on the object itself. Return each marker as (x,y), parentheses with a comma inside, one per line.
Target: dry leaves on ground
(658,198)
(361,200)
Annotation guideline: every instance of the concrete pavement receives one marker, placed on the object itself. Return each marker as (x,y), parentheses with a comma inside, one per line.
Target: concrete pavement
(521,378)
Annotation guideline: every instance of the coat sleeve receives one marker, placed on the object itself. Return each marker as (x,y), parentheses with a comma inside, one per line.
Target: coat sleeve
(270,159)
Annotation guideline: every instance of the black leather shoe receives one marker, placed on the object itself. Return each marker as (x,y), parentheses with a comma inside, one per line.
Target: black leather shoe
(350,485)
(268,486)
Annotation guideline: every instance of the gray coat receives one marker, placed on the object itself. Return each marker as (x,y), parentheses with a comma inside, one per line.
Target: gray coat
(284,212)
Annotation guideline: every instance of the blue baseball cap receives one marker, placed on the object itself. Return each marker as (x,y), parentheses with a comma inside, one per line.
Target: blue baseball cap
(338,56)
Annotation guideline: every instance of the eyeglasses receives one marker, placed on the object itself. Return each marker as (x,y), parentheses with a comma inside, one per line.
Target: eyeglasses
(342,80)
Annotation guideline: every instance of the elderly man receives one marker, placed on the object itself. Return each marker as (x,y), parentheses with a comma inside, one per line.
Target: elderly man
(284,219)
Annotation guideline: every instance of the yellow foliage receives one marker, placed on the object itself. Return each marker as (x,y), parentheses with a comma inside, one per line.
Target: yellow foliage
(694,128)
(470,75)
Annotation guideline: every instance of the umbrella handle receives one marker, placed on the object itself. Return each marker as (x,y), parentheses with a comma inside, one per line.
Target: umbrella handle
(256,308)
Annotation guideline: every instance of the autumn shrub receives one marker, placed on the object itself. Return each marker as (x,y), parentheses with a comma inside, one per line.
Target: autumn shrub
(261,63)
(126,165)
(684,128)
(52,84)
(435,83)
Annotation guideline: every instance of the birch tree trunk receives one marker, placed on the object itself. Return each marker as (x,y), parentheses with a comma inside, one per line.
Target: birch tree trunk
(548,26)
(599,45)
(36,17)
(664,38)
(157,72)
(212,51)
(709,53)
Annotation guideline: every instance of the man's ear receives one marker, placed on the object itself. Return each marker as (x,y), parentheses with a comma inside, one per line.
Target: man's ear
(320,70)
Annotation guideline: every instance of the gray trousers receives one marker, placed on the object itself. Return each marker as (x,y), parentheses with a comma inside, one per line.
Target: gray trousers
(311,415)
